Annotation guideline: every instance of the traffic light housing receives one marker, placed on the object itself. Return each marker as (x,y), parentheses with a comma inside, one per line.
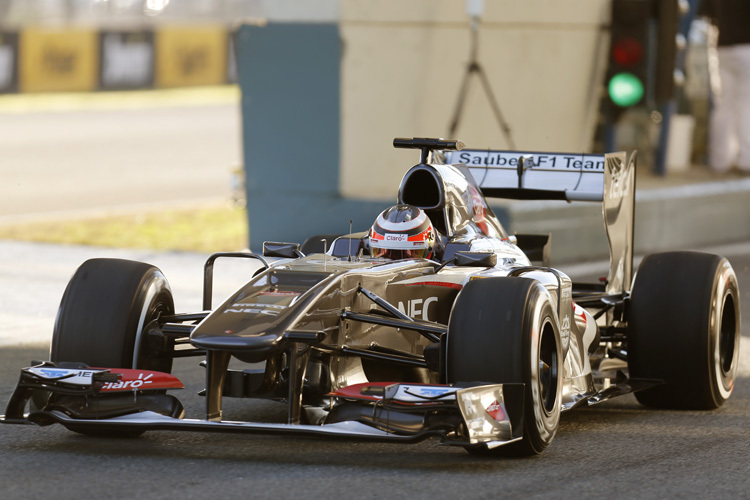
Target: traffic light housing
(670,47)
(628,53)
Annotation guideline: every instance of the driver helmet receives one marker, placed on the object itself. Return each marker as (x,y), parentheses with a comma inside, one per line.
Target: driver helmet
(402,232)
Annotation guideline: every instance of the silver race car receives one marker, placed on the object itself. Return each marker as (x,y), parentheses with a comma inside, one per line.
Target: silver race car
(478,343)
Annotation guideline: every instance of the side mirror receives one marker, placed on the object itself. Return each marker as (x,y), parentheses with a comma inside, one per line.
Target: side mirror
(476,259)
(284,250)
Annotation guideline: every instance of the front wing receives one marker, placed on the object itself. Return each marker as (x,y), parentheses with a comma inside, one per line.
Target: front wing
(118,401)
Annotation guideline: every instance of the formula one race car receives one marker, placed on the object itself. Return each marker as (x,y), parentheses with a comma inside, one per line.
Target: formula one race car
(474,344)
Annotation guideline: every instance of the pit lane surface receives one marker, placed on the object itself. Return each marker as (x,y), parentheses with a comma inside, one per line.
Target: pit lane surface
(618,449)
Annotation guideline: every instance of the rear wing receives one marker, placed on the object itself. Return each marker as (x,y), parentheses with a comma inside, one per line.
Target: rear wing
(534,176)
(607,178)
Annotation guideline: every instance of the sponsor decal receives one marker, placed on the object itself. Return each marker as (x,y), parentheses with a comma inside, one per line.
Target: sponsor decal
(279,293)
(133,380)
(9,55)
(267,309)
(57,60)
(593,163)
(190,55)
(565,331)
(428,391)
(484,413)
(140,382)
(417,308)
(52,373)
(127,59)
(395,237)
(117,379)
(76,377)
(565,323)
(619,187)
(496,410)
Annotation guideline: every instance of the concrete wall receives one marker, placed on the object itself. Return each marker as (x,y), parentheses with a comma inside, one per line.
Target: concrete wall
(403,64)
(396,69)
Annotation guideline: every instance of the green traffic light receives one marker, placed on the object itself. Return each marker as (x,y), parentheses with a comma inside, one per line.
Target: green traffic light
(625,89)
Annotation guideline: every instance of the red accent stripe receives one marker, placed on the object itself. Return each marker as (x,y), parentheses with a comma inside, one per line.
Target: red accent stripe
(583,314)
(355,391)
(457,286)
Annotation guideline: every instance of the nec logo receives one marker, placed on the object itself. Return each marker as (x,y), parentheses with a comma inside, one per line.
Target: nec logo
(395,237)
(417,308)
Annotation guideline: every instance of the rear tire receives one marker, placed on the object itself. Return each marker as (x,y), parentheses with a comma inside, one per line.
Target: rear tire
(504,330)
(684,328)
(104,314)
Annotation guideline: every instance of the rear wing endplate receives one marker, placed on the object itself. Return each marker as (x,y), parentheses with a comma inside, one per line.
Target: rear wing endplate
(607,178)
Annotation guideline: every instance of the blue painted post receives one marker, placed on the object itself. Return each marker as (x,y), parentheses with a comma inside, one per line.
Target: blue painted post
(289,75)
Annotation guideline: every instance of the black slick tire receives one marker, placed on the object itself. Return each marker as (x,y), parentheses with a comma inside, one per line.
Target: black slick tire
(104,314)
(504,330)
(103,320)
(684,329)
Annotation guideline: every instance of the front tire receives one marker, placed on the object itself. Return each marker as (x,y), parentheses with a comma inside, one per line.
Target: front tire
(103,321)
(504,330)
(104,314)
(684,329)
